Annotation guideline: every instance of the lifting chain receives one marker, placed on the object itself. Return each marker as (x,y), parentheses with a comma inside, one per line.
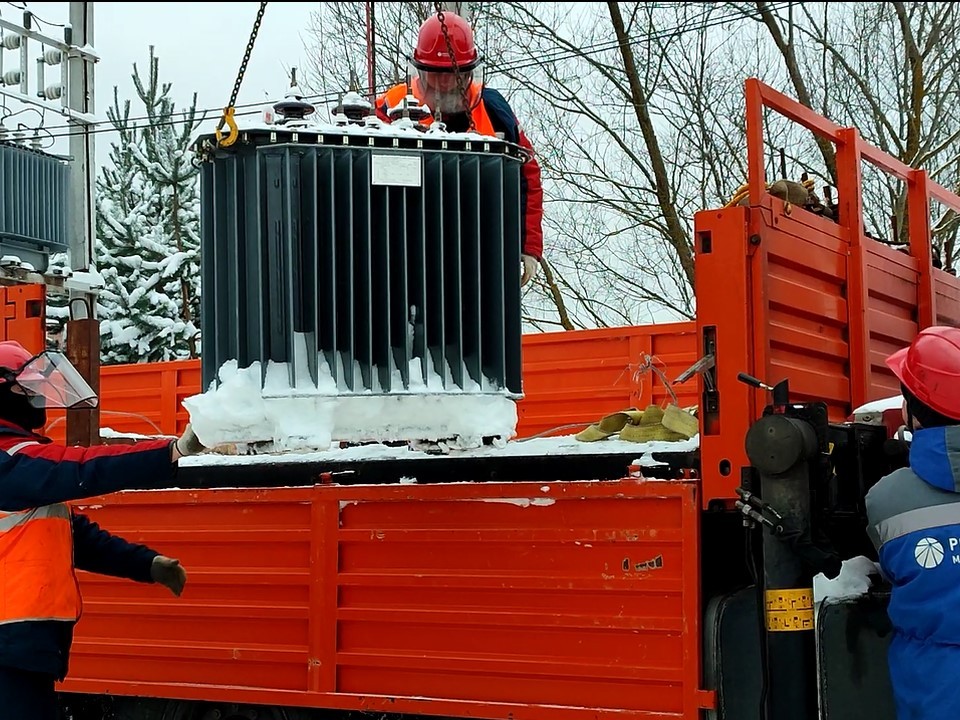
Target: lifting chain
(228,112)
(453,61)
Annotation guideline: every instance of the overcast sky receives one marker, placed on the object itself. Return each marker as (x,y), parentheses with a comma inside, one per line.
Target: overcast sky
(199,45)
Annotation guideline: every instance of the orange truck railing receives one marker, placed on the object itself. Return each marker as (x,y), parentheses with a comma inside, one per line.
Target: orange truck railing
(23,315)
(784,293)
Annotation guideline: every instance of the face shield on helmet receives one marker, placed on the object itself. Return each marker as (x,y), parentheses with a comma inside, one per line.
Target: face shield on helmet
(445,49)
(49,380)
(438,88)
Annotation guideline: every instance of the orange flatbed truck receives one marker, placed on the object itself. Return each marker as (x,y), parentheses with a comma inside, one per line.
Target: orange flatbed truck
(580,586)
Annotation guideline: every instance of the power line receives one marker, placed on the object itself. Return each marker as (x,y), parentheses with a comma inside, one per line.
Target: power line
(103,126)
(329,97)
(23,6)
(607,45)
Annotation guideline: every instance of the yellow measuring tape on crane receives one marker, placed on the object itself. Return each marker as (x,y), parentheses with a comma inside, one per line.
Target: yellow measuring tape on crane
(228,112)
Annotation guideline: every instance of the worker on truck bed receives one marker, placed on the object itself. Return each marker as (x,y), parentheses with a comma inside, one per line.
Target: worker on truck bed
(914,521)
(42,540)
(434,84)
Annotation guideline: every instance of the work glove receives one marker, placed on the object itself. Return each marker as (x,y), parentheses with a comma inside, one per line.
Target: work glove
(530,265)
(169,573)
(188,443)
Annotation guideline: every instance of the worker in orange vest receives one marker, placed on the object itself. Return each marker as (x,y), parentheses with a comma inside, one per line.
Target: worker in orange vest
(435,85)
(43,540)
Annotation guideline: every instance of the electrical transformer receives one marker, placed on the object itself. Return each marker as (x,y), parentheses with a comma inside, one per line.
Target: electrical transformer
(33,204)
(372,260)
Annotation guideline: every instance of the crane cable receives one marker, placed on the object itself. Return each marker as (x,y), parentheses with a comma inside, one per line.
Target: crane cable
(228,112)
(458,76)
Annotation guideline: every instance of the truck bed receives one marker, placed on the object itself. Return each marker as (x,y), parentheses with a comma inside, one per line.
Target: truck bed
(497,600)
(539,459)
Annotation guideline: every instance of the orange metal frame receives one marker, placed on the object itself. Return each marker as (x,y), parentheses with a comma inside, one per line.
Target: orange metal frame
(520,601)
(24,315)
(824,303)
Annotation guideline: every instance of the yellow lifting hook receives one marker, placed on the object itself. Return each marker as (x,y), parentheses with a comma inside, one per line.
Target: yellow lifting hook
(228,111)
(227,120)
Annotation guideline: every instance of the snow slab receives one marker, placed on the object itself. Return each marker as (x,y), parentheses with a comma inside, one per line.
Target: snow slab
(535,447)
(300,420)
(878,406)
(107,432)
(852,582)
(282,415)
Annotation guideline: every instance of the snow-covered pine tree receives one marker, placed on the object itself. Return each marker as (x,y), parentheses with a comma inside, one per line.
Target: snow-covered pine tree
(57,307)
(148,222)
(123,214)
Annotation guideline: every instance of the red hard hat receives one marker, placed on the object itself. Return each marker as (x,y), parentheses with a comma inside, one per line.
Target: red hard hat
(930,369)
(431,52)
(13,355)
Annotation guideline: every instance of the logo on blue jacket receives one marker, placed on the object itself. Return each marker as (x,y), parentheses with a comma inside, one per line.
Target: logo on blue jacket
(929,553)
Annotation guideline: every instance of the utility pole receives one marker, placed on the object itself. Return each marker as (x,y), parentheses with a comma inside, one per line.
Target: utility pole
(80,98)
(83,329)
(371,51)
(71,97)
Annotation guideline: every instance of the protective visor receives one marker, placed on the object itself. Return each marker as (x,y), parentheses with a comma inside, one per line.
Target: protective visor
(51,381)
(439,89)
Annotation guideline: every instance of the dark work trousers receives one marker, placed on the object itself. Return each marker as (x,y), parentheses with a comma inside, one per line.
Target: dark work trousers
(27,696)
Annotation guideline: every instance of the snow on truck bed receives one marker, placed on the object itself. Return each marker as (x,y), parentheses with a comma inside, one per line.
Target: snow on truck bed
(540,446)
(535,447)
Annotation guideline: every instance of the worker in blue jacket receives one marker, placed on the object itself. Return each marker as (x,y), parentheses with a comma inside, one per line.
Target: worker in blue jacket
(914,521)
(43,540)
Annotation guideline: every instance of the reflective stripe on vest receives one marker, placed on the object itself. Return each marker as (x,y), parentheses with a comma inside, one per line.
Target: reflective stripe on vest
(481,120)
(37,581)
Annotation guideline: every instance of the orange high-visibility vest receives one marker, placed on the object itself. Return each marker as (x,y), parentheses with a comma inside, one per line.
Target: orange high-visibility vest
(37,578)
(481,120)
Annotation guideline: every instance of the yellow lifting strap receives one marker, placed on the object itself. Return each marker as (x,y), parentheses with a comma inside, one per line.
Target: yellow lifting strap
(653,423)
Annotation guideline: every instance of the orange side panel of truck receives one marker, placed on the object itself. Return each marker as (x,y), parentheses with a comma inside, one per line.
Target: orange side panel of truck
(579,376)
(521,601)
